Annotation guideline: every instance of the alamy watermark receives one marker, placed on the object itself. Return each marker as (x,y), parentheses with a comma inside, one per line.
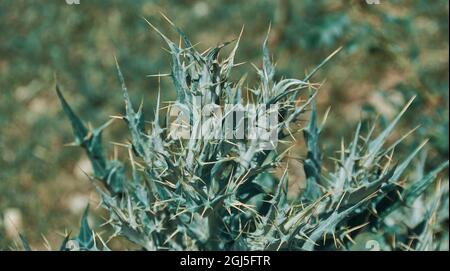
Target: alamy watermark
(257,122)
(373,245)
(72,2)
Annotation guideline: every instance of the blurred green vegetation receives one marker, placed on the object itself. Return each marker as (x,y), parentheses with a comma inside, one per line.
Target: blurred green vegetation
(391,52)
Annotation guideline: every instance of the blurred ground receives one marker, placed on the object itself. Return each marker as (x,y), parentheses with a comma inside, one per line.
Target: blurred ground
(391,52)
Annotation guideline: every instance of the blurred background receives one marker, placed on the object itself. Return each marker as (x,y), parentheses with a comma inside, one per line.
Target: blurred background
(391,51)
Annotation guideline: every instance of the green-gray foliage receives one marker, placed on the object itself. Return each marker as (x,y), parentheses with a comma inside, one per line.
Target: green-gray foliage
(216,194)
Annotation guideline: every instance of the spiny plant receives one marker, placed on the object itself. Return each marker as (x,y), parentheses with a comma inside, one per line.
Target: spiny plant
(221,194)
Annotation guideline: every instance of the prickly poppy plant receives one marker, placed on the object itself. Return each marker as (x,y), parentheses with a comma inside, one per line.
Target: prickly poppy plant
(219,192)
